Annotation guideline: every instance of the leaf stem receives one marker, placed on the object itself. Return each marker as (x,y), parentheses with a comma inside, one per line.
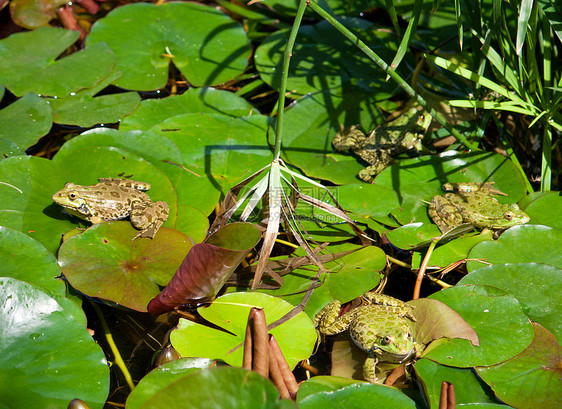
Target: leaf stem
(284,75)
(390,72)
(423,267)
(116,354)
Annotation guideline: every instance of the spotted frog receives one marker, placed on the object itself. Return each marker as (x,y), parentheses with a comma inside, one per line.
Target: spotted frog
(113,199)
(381,327)
(385,142)
(473,203)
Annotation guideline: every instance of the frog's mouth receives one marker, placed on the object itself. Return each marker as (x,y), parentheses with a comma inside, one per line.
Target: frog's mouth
(399,358)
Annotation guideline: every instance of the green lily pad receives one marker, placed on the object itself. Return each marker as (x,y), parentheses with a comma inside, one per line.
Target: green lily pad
(469,389)
(105,262)
(43,350)
(218,147)
(409,175)
(323,383)
(213,101)
(202,42)
(544,210)
(513,247)
(193,190)
(162,377)
(84,109)
(349,277)
(238,388)
(25,121)
(323,58)
(24,56)
(9,148)
(355,397)
(230,312)
(531,379)
(496,316)
(34,13)
(536,286)
(28,260)
(312,122)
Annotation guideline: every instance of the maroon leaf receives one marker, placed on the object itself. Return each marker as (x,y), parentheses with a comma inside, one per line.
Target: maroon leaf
(206,267)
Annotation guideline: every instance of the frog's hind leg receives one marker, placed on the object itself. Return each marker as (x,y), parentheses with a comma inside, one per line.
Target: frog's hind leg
(390,304)
(327,321)
(148,217)
(444,214)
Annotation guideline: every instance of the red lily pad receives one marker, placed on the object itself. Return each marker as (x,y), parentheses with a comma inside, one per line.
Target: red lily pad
(105,262)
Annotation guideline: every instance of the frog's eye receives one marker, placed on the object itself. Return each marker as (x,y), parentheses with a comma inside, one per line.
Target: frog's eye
(508,216)
(72,195)
(386,340)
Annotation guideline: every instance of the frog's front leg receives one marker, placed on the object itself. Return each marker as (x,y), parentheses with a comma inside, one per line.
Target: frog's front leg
(148,217)
(444,214)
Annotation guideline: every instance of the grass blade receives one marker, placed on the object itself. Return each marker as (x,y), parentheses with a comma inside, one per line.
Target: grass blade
(410,32)
(522,21)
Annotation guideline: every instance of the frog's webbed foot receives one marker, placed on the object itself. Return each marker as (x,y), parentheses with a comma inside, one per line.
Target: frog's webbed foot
(444,214)
(390,304)
(148,217)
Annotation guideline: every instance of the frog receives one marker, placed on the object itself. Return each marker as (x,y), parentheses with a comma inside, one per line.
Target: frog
(388,140)
(473,203)
(381,327)
(113,199)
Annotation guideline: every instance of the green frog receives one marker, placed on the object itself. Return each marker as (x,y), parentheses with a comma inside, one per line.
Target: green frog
(381,327)
(401,135)
(113,199)
(473,203)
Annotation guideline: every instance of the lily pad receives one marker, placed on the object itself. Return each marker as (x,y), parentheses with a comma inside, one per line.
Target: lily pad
(355,397)
(230,312)
(536,286)
(34,13)
(409,174)
(531,379)
(28,260)
(218,147)
(213,101)
(513,247)
(321,384)
(25,121)
(469,389)
(323,58)
(349,277)
(162,377)
(37,362)
(202,42)
(105,262)
(544,210)
(24,56)
(238,388)
(192,190)
(496,316)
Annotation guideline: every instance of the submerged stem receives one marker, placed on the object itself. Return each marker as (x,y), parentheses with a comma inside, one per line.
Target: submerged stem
(284,75)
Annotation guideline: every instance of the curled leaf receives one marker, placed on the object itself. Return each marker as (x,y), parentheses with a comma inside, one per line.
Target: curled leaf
(206,267)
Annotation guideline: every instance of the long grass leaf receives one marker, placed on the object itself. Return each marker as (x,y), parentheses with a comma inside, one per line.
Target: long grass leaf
(552,9)
(391,10)
(472,76)
(458,15)
(463,103)
(410,32)
(259,190)
(522,21)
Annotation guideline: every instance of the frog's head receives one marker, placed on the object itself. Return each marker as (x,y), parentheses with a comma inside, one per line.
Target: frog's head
(72,200)
(396,347)
(512,216)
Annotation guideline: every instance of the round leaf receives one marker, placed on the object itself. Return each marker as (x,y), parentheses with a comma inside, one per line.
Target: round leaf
(43,350)
(544,210)
(105,262)
(531,379)
(520,244)
(222,387)
(230,312)
(202,42)
(496,316)
(536,286)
